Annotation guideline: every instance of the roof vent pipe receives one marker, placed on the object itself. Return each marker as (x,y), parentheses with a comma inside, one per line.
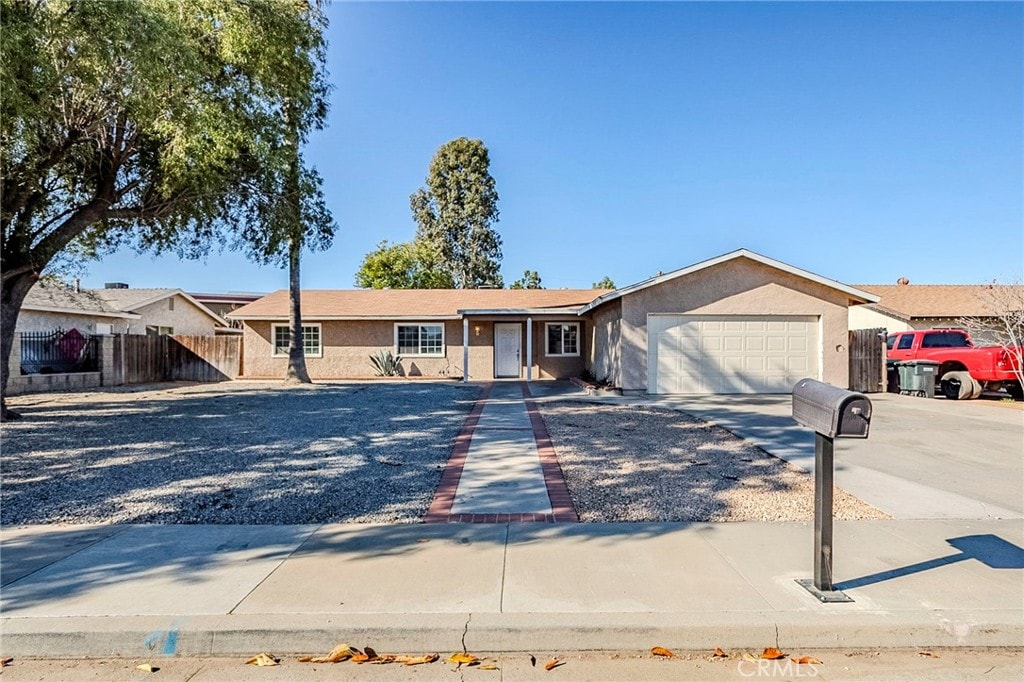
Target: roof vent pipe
(903,281)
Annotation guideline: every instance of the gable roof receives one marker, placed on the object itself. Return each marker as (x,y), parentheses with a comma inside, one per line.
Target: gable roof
(54,297)
(852,292)
(134,299)
(907,301)
(361,304)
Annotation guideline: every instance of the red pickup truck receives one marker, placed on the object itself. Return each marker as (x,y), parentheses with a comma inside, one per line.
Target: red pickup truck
(964,369)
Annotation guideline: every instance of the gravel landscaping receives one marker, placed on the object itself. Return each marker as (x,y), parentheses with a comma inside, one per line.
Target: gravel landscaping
(634,463)
(232,453)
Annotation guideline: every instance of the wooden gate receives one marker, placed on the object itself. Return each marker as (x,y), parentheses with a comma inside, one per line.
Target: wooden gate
(867,360)
(203,358)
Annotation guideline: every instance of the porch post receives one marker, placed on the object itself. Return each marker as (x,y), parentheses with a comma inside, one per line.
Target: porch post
(465,349)
(529,349)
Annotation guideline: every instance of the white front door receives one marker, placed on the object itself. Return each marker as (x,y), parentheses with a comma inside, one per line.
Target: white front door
(507,339)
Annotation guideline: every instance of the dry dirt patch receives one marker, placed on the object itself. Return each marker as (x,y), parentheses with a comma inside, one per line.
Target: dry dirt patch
(631,463)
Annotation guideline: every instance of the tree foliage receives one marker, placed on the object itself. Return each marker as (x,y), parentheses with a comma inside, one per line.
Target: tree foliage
(406,265)
(160,124)
(604,283)
(455,212)
(529,280)
(1003,326)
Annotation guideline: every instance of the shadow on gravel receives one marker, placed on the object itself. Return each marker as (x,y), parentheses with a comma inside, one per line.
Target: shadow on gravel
(276,455)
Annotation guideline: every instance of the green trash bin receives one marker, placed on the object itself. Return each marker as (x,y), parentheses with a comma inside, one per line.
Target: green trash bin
(917,377)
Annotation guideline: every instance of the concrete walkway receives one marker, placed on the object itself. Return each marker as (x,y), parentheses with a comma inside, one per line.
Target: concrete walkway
(503,467)
(232,590)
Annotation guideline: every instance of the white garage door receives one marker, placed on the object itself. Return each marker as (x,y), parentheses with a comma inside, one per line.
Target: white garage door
(730,353)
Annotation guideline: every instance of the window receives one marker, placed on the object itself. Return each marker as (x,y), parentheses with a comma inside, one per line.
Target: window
(310,340)
(906,341)
(890,341)
(155,330)
(945,340)
(563,338)
(170,303)
(419,339)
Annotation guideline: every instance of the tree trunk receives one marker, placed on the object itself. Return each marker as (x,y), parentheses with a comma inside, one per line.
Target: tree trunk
(297,373)
(12,294)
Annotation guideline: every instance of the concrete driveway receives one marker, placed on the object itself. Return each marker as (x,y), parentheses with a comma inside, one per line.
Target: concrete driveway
(924,458)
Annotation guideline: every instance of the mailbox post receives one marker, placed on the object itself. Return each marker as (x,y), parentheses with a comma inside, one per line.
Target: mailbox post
(833,413)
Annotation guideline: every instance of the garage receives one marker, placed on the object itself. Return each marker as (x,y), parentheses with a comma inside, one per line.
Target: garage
(710,354)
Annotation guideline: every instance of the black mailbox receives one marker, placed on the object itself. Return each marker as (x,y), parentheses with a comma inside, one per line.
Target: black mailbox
(831,411)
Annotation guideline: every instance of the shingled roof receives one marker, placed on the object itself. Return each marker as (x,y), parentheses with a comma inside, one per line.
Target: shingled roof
(933,300)
(325,304)
(50,296)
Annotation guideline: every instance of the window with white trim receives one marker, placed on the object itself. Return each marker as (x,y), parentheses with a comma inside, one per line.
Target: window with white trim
(311,347)
(563,338)
(423,339)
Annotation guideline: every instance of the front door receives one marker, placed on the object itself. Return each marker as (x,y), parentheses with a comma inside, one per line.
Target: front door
(507,339)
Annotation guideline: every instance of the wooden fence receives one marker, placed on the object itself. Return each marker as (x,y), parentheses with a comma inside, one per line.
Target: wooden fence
(867,360)
(146,359)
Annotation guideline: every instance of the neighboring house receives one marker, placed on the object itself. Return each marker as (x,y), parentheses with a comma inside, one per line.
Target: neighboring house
(161,311)
(222,304)
(51,305)
(903,307)
(739,323)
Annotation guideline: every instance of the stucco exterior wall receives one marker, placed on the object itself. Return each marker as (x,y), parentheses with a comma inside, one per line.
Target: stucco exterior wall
(348,344)
(605,343)
(185,319)
(737,287)
(41,321)
(862,317)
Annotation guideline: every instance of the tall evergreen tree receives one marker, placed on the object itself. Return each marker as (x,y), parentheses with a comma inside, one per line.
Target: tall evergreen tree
(456,211)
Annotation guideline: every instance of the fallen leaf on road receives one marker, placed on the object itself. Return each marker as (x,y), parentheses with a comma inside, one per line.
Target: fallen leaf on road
(719,653)
(533,660)
(360,657)
(929,654)
(489,666)
(147,668)
(662,651)
(806,660)
(369,651)
(772,654)
(420,660)
(263,660)
(340,653)
(748,656)
(553,663)
(461,658)
(6,662)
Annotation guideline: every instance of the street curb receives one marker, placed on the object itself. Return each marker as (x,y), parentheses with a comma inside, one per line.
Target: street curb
(129,636)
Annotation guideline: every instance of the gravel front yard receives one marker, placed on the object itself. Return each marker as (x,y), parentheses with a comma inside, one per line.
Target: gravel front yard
(632,463)
(241,453)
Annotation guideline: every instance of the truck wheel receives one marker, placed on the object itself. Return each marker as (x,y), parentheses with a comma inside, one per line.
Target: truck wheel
(1014,389)
(958,386)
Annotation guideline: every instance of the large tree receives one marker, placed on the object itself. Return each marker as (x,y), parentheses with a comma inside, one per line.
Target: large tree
(154,123)
(455,213)
(406,265)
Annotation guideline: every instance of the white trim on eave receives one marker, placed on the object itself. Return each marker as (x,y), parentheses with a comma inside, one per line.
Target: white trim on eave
(324,318)
(79,311)
(863,296)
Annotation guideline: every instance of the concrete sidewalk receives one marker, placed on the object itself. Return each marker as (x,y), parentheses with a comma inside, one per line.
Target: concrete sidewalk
(231,590)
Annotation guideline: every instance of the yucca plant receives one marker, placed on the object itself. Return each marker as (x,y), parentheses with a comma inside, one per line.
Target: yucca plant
(386,364)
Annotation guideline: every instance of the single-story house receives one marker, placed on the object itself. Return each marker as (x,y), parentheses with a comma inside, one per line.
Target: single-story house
(904,306)
(738,323)
(117,309)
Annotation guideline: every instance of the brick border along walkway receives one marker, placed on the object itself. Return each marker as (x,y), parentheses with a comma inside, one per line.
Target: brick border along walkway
(558,493)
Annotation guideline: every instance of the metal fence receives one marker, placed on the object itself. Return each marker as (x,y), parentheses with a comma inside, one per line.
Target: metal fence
(59,352)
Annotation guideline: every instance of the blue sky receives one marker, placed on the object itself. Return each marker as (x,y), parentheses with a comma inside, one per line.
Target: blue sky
(862,141)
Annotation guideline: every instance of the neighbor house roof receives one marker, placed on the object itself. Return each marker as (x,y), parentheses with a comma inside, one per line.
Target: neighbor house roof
(53,297)
(134,299)
(360,304)
(854,293)
(907,301)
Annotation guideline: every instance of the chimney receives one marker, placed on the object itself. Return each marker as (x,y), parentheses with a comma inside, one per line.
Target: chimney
(115,285)
(903,281)
(78,285)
